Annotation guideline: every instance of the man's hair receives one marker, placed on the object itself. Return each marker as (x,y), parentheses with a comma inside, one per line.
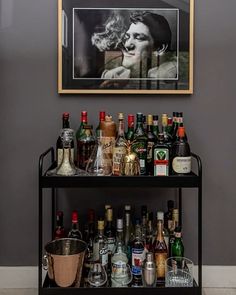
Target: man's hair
(158,26)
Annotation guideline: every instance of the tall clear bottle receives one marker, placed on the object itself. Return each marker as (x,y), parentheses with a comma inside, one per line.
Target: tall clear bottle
(59,144)
(128,235)
(160,251)
(120,148)
(100,246)
(139,145)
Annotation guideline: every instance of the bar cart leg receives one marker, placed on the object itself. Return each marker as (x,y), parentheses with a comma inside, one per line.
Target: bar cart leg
(40,234)
(180,206)
(200,234)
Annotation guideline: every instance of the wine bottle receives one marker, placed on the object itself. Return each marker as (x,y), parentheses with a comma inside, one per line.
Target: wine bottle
(181,154)
(130,132)
(59,230)
(79,132)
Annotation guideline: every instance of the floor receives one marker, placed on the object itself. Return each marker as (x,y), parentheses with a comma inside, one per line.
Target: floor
(207,291)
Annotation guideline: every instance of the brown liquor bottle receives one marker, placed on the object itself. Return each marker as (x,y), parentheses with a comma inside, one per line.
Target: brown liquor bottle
(160,250)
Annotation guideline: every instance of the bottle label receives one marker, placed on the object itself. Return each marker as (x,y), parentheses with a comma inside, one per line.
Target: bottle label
(60,156)
(137,260)
(118,268)
(118,154)
(160,259)
(140,149)
(108,144)
(103,253)
(111,245)
(161,162)
(96,251)
(149,150)
(182,164)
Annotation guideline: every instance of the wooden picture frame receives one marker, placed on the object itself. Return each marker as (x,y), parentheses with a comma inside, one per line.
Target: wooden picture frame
(140,47)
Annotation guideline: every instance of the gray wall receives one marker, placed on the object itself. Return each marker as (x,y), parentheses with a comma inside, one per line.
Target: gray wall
(31,117)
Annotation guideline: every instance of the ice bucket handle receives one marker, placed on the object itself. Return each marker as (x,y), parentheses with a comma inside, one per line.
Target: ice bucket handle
(45,262)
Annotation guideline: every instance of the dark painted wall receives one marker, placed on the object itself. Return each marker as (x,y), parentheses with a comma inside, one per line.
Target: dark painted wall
(31,117)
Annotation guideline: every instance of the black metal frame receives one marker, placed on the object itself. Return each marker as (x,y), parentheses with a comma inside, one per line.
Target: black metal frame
(173,181)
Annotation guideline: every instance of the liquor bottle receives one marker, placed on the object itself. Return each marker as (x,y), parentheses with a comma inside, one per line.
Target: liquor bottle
(161,156)
(102,115)
(85,146)
(59,144)
(120,231)
(144,123)
(152,139)
(155,127)
(144,223)
(107,206)
(160,251)
(150,232)
(175,224)
(120,148)
(110,232)
(74,231)
(80,130)
(100,247)
(128,235)
(169,125)
(167,137)
(130,132)
(168,215)
(177,248)
(89,238)
(174,124)
(166,234)
(59,230)
(138,253)
(181,154)
(139,145)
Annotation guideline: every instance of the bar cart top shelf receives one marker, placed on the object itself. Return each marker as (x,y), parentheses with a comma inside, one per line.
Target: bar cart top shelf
(184,181)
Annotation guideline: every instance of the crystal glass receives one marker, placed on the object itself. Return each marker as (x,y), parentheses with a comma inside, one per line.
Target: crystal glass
(121,275)
(179,272)
(99,163)
(97,276)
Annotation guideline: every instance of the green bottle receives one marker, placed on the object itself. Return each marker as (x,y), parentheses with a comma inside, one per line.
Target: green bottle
(130,132)
(155,127)
(177,248)
(139,145)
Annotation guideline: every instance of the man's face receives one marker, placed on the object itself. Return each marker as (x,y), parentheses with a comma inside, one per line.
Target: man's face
(138,44)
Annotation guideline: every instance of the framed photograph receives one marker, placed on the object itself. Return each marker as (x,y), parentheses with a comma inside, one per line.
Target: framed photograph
(125,46)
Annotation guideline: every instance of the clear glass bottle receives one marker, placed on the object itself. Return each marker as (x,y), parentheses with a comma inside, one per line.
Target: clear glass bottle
(139,145)
(67,167)
(120,147)
(74,231)
(100,246)
(168,215)
(99,163)
(150,232)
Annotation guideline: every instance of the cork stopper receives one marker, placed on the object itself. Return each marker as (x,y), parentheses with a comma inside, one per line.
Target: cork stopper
(100,224)
(160,215)
(164,120)
(149,120)
(120,116)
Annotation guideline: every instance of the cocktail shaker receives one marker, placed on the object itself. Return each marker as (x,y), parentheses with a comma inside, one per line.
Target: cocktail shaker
(149,271)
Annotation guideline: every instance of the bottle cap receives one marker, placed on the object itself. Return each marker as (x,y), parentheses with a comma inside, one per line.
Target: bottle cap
(119,223)
(149,119)
(100,224)
(108,118)
(164,120)
(109,214)
(181,132)
(66,115)
(60,213)
(155,117)
(91,215)
(169,121)
(160,215)
(139,117)
(127,207)
(102,115)
(120,116)
(74,216)
(84,116)
(107,206)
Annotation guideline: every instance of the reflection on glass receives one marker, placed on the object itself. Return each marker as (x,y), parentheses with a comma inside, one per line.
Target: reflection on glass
(97,276)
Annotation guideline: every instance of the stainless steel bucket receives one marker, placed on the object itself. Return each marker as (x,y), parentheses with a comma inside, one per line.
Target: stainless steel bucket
(64,261)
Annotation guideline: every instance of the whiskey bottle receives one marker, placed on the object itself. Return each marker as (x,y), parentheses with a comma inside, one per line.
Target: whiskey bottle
(59,230)
(139,145)
(181,154)
(59,144)
(130,132)
(74,231)
(152,139)
(161,157)
(119,150)
(160,251)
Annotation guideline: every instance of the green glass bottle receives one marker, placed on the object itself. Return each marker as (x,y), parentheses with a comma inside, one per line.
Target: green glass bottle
(139,145)
(177,248)
(130,132)
(155,126)
(161,157)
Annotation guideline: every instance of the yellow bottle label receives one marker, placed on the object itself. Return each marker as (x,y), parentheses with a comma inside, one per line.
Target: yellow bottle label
(118,154)
(160,259)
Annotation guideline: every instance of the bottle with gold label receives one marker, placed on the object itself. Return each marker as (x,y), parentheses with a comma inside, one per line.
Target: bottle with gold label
(120,148)
(160,250)
(152,139)
(167,136)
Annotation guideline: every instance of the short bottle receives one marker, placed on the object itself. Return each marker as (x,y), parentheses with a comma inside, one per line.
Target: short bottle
(161,157)
(59,232)
(160,250)
(59,145)
(74,231)
(181,154)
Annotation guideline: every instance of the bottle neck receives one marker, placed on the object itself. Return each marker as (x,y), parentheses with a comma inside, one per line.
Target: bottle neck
(65,123)
(160,230)
(127,219)
(121,129)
